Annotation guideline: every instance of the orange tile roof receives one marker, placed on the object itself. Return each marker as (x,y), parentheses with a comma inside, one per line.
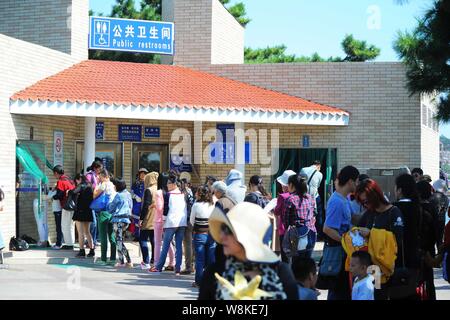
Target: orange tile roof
(125,83)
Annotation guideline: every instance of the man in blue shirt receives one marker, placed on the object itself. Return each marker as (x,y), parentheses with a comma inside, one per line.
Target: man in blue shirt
(338,221)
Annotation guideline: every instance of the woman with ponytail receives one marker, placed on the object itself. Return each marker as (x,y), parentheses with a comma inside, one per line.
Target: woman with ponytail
(300,212)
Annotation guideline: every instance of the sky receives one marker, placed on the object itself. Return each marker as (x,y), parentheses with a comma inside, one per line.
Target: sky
(308,26)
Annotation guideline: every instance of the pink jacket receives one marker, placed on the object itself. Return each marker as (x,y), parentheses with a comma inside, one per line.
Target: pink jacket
(279,212)
(159,202)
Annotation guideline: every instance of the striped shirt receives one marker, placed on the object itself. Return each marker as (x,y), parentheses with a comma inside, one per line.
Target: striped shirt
(201,211)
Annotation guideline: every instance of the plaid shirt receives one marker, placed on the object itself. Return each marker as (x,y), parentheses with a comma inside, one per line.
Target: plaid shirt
(300,212)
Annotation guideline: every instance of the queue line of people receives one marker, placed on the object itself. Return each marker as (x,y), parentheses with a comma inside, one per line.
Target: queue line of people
(230,230)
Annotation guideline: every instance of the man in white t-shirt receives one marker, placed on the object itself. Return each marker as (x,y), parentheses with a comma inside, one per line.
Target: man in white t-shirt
(314,179)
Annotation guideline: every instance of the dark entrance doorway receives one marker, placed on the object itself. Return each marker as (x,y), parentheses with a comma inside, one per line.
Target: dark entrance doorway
(296,159)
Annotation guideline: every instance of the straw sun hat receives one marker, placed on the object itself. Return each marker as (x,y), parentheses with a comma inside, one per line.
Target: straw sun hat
(249,224)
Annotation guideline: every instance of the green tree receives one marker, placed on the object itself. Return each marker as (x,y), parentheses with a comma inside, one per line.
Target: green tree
(238,11)
(426,53)
(355,50)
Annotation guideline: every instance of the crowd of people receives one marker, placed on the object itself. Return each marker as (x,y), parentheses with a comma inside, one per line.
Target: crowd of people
(242,243)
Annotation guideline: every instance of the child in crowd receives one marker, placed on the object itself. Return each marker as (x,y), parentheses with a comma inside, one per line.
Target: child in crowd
(363,288)
(305,272)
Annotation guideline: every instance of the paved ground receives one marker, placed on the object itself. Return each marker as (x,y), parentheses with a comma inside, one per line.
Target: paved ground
(48,274)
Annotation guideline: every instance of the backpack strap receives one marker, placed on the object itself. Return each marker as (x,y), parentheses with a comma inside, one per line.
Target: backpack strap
(310,178)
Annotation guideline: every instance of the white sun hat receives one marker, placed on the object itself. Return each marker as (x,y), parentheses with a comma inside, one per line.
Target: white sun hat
(249,224)
(283,179)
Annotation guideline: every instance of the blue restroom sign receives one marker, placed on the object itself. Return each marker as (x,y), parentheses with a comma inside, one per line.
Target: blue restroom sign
(305,141)
(151,132)
(131,35)
(99,130)
(130,132)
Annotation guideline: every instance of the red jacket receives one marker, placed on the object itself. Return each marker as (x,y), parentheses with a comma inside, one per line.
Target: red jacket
(62,186)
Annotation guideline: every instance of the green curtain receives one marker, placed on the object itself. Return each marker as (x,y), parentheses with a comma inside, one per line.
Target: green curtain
(30,165)
(36,150)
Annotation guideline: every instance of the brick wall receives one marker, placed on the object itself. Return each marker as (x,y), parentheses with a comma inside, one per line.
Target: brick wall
(384,129)
(205,33)
(227,42)
(192,31)
(21,65)
(48,23)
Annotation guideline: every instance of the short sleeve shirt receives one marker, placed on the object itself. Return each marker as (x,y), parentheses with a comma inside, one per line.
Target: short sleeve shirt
(363,289)
(338,213)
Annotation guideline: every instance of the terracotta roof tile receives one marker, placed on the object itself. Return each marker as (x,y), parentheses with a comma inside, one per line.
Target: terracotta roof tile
(124,83)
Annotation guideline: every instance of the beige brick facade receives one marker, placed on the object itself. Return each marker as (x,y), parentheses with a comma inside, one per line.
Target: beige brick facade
(205,33)
(385,128)
(60,25)
(44,29)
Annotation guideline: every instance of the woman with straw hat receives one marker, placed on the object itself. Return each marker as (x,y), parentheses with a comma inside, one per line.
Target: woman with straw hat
(252,271)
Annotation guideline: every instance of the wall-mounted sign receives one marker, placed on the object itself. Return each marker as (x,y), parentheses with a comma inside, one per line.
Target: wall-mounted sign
(225,153)
(305,141)
(181,163)
(131,35)
(58,148)
(151,132)
(99,131)
(223,128)
(130,132)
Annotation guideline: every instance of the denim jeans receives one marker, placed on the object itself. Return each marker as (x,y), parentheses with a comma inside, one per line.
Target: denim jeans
(144,237)
(307,253)
(268,236)
(94,227)
(169,233)
(204,246)
(59,234)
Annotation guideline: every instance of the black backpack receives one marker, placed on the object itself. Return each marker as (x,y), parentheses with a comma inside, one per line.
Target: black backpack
(18,244)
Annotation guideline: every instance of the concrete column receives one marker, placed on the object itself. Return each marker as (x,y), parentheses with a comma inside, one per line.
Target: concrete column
(89,141)
(240,148)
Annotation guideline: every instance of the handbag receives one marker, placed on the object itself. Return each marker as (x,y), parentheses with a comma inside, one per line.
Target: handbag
(290,242)
(100,203)
(303,240)
(331,263)
(403,282)
(71,203)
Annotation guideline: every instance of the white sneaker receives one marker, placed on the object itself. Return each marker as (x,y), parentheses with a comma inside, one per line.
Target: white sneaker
(145,266)
(55,247)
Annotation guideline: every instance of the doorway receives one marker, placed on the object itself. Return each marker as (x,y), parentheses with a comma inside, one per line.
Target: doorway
(296,159)
(111,154)
(153,157)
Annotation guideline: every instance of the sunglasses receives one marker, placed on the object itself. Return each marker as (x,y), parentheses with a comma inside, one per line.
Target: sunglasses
(226,230)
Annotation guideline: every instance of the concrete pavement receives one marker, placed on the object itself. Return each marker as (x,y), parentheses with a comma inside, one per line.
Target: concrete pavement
(49,274)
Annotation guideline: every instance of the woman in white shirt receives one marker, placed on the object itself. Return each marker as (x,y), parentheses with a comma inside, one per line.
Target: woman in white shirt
(204,244)
(175,213)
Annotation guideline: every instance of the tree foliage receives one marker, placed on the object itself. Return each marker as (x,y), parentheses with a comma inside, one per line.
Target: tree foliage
(426,53)
(237,11)
(355,50)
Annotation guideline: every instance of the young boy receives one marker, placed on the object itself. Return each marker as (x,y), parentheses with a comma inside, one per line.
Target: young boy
(363,288)
(305,272)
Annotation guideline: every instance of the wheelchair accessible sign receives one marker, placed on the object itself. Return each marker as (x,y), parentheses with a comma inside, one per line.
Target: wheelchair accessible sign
(131,35)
